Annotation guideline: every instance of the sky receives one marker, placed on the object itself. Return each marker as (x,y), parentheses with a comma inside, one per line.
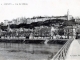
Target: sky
(32,8)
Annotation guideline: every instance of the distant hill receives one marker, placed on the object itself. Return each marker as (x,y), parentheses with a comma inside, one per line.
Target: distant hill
(50,22)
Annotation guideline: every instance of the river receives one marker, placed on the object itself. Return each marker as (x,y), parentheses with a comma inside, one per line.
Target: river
(28,51)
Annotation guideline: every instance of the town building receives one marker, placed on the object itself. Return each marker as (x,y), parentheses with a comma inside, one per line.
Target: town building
(70,31)
(44,32)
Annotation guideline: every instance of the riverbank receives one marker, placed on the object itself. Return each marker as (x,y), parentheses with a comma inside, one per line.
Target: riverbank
(33,41)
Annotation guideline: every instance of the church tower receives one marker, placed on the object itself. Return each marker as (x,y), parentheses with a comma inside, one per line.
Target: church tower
(68,14)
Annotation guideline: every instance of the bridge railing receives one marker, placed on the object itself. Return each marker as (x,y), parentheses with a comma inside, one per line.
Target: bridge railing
(61,54)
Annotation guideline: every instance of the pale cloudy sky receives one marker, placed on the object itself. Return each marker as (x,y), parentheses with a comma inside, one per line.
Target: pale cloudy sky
(38,8)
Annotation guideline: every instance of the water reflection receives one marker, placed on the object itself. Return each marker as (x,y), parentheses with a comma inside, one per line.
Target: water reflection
(30,51)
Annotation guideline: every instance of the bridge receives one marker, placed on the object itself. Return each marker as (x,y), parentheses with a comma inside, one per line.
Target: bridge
(70,51)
